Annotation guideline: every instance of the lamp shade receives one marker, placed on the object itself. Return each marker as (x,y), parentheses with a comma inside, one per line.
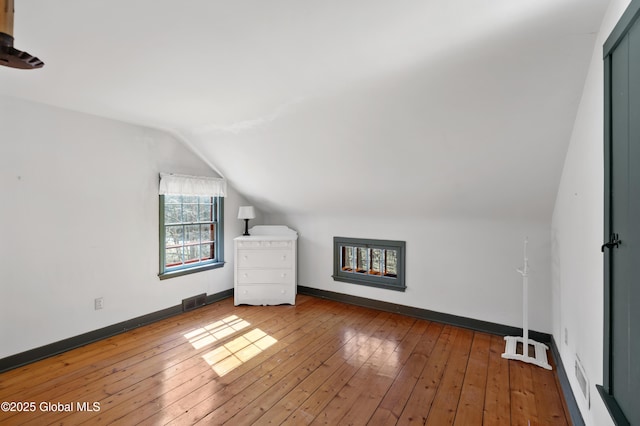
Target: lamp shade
(246,212)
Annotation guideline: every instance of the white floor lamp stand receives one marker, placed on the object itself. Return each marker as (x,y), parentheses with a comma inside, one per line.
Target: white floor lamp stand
(510,352)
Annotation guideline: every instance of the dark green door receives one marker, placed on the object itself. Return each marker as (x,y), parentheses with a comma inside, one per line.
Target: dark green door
(622,221)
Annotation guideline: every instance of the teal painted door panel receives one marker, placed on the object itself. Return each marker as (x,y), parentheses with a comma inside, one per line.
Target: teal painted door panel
(625,221)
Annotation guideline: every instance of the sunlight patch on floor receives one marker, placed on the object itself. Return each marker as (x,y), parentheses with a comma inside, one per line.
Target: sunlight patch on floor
(232,354)
(215,331)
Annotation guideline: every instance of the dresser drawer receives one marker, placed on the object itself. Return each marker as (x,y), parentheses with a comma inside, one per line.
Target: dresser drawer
(265,259)
(273,294)
(265,244)
(265,276)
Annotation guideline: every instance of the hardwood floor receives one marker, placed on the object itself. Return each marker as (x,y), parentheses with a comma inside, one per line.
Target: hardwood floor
(319,362)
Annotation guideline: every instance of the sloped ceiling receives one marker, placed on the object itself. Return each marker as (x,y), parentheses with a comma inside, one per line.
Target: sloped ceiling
(410,107)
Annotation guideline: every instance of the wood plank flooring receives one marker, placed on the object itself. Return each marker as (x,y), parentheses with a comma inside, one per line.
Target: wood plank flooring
(319,362)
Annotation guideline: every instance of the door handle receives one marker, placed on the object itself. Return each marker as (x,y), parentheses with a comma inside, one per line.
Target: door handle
(614,241)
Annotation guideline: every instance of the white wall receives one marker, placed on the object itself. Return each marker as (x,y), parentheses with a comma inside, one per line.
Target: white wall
(462,266)
(577,233)
(79,220)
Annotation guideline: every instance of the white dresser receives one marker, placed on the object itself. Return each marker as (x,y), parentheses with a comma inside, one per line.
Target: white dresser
(265,266)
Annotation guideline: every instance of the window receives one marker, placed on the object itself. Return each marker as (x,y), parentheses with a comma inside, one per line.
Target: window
(377,263)
(191,226)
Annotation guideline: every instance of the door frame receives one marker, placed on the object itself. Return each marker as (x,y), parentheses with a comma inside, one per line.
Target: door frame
(629,17)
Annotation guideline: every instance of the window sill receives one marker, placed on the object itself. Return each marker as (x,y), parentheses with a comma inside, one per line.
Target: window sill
(368,283)
(612,406)
(187,271)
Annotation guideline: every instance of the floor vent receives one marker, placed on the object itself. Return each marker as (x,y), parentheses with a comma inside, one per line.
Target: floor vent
(581,376)
(194,302)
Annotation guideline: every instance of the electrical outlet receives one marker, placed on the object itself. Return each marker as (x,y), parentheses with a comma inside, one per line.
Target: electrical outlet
(98,303)
(566,336)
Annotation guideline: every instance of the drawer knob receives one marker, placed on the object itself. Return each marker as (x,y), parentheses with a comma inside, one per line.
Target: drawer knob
(283,275)
(245,275)
(284,257)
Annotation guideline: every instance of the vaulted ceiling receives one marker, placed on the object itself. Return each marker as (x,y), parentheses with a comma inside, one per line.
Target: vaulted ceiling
(410,107)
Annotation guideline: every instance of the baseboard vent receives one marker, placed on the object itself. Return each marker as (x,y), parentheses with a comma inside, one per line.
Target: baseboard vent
(583,381)
(194,302)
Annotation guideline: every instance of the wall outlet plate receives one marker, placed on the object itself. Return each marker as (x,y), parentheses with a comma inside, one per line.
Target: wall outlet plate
(98,303)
